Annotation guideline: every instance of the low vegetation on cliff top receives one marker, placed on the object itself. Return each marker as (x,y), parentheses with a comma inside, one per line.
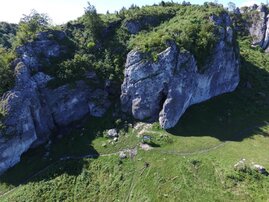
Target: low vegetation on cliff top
(101,42)
(191,29)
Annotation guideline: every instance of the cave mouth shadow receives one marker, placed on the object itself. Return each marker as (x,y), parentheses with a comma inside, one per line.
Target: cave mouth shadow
(233,116)
(68,153)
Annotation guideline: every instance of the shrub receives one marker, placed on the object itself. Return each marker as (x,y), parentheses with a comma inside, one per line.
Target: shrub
(7,34)
(30,25)
(191,29)
(6,73)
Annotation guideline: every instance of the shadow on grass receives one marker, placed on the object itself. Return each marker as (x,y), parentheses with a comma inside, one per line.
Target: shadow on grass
(152,144)
(64,155)
(234,116)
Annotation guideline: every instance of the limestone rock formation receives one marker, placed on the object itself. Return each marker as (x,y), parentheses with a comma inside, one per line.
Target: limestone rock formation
(259,26)
(45,47)
(166,88)
(33,110)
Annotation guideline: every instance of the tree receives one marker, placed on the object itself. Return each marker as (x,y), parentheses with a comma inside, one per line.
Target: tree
(30,25)
(6,73)
(93,22)
(231,6)
(133,7)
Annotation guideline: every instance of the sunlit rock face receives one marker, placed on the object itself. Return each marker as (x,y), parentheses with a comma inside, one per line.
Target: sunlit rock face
(164,89)
(259,26)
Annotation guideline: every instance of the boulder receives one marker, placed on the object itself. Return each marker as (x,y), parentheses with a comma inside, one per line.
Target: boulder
(112,133)
(260,169)
(166,88)
(122,155)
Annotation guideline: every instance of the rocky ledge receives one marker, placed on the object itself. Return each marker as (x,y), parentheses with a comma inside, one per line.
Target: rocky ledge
(33,110)
(166,88)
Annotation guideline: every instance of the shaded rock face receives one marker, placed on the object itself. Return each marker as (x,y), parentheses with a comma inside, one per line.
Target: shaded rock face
(33,110)
(71,104)
(165,89)
(259,28)
(44,48)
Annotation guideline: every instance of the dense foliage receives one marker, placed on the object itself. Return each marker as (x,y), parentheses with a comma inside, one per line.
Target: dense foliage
(30,25)
(6,76)
(191,29)
(7,34)
(6,73)
(102,41)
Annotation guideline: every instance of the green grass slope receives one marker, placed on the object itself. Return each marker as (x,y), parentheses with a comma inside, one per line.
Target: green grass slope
(192,162)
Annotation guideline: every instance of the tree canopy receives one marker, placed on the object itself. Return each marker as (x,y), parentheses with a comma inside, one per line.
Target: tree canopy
(30,25)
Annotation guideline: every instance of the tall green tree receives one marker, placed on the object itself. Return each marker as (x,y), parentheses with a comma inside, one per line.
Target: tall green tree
(93,22)
(6,73)
(30,25)
(231,6)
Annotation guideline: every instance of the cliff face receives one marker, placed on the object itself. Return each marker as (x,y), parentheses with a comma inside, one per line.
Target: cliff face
(259,26)
(33,110)
(166,88)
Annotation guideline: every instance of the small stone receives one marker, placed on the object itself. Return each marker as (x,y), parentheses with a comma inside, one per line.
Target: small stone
(240,165)
(122,155)
(116,139)
(112,133)
(260,169)
(104,145)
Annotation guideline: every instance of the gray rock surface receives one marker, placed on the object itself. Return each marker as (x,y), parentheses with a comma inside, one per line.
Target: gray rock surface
(166,88)
(259,27)
(112,133)
(28,121)
(41,50)
(32,110)
(71,104)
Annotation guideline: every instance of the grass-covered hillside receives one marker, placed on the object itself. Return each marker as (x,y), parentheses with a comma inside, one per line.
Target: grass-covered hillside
(194,161)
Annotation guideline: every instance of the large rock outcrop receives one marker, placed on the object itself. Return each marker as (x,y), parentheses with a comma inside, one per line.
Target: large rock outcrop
(39,52)
(259,25)
(33,110)
(166,88)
